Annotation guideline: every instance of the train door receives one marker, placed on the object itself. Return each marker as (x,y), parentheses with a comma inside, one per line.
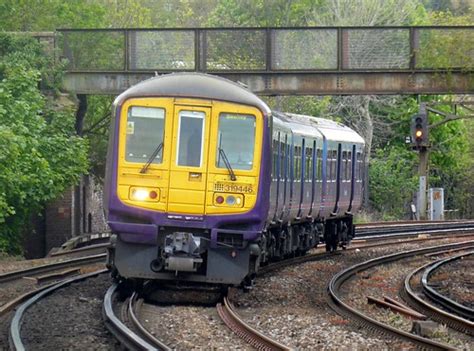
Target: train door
(188,169)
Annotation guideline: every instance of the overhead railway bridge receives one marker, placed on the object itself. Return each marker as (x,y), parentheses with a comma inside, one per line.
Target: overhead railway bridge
(275,61)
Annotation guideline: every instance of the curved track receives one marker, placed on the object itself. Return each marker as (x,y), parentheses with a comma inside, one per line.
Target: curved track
(245,331)
(138,339)
(46,268)
(446,302)
(15,326)
(413,299)
(343,308)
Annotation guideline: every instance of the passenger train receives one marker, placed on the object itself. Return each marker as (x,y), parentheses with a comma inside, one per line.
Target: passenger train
(205,183)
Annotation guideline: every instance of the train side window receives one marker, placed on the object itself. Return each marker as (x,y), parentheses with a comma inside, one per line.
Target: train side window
(282,160)
(319,164)
(334,164)
(330,163)
(308,164)
(344,166)
(274,158)
(144,133)
(359,167)
(349,165)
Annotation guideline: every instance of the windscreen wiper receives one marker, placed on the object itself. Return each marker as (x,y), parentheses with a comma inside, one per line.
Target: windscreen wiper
(152,157)
(227,164)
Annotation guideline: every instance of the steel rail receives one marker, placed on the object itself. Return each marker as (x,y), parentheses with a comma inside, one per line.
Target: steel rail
(342,307)
(446,302)
(414,229)
(82,249)
(413,299)
(245,331)
(5,277)
(133,306)
(120,331)
(15,326)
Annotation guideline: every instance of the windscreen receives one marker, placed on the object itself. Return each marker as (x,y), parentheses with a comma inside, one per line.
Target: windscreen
(145,131)
(236,138)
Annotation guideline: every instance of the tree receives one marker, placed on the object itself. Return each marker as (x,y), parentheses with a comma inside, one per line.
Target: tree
(40,155)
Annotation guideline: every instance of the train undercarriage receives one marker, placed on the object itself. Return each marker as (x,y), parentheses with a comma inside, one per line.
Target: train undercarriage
(187,257)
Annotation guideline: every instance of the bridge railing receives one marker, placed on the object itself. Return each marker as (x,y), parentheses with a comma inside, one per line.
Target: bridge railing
(268,50)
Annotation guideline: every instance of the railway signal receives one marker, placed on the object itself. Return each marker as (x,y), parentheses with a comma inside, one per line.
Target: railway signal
(419,131)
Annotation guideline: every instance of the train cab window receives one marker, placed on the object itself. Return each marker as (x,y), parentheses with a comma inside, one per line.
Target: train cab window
(190,136)
(236,138)
(144,134)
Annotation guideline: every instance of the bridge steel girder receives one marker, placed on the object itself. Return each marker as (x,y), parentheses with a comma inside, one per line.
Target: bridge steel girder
(296,83)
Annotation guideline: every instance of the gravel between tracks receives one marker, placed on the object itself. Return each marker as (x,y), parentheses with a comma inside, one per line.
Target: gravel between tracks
(190,327)
(70,318)
(291,305)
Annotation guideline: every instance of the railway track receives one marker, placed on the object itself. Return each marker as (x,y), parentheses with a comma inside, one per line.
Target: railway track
(453,306)
(345,309)
(15,339)
(50,267)
(140,338)
(245,331)
(135,337)
(412,228)
(415,300)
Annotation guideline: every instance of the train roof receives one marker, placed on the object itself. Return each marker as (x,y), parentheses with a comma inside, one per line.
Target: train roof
(301,129)
(331,130)
(194,85)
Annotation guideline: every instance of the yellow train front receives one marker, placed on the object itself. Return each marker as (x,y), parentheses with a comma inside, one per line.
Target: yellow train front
(185,195)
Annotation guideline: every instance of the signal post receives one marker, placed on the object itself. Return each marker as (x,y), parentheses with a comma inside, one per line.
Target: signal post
(420,142)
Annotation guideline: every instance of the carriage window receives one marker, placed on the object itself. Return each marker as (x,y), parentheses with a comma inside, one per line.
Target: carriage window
(275,158)
(297,163)
(282,160)
(319,165)
(359,166)
(349,165)
(145,130)
(236,137)
(344,165)
(191,130)
(309,164)
(334,165)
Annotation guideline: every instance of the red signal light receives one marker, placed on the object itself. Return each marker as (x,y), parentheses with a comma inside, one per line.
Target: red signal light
(219,200)
(153,195)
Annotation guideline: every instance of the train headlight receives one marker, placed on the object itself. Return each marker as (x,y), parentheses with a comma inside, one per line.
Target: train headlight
(144,194)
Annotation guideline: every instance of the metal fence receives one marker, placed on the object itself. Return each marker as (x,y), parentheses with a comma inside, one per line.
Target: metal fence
(268,49)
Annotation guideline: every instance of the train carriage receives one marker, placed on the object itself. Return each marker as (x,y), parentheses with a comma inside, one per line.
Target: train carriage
(205,183)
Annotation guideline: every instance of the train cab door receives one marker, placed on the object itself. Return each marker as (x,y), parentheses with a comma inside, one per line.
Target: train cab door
(188,169)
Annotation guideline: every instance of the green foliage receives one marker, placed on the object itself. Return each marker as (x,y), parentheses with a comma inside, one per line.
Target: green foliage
(34,15)
(392,181)
(40,155)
